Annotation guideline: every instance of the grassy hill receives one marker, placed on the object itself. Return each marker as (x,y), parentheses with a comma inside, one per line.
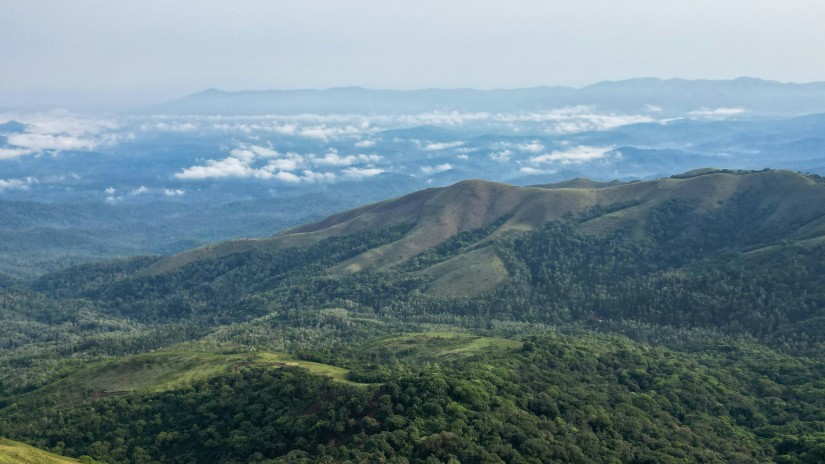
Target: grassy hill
(12,452)
(436,215)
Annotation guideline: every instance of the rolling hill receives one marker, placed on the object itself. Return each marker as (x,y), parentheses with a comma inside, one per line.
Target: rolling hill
(674,320)
(785,205)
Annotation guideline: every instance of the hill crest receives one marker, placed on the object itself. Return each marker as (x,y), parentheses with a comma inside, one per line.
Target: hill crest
(436,215)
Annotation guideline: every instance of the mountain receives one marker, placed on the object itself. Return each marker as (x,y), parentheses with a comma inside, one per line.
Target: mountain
(667,97)
(673,320)
(779,200)
(12,127)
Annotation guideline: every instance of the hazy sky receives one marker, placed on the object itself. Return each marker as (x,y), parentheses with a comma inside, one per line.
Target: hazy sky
(116,54)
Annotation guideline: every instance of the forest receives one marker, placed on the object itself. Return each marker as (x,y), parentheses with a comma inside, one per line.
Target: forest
(650,328)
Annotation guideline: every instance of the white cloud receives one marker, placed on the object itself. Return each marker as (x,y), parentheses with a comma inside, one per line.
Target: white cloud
(365,144)
(11,153)
(312,176)
(323,132)
(362,172)
(531,147)
(576,155)
(463,157)
(139,191)
(307,176)
(110,191)
(429,170)
(502,155)
(716,113)
(42,142)
(173,127)
(57,131)
(334,159)
(173,192)
(253,151)
(529,171)
(17,184)
(284,164)
(227,167)
(442,145)
(241,164)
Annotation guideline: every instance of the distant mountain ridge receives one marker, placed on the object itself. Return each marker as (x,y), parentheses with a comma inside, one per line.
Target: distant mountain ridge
(661,96)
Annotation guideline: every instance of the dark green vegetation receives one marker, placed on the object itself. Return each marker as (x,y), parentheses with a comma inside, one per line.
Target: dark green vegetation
(679,320)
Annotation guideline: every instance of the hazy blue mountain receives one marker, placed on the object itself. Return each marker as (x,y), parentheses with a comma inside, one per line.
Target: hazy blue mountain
(668,97)
(12,127)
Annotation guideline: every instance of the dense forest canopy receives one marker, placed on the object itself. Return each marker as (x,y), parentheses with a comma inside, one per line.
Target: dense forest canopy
(676,320)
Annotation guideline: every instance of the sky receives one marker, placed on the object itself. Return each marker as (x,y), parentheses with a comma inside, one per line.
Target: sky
(119,54)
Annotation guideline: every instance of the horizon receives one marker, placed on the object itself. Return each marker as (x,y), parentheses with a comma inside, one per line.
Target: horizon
(110,55)
(93,109)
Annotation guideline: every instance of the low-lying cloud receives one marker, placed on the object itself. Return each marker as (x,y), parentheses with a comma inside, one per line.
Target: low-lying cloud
(429,170)
(716,113)
(435,146)
(575,155)
(17,184)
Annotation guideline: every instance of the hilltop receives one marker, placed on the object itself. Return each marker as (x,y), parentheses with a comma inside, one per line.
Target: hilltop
(783,200)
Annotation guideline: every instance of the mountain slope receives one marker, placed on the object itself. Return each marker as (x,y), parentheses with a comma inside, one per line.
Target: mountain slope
(778,198)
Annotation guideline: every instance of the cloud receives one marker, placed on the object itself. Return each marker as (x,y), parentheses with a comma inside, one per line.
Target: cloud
(173,192)
(253,151)
(463,157)
(334,159)
(716,113)
(11,153)
(323,132)
(44,142)
(284,164)
(241,163)
(365,144)
(362,172)
(227,167)
(531,147)
(57,131)
(173,127)
(429,170)
(530,171)
(576,155)
(312,176)
(307,176)
(17,184)
(503,155)
(110,191)
(244,162)
(139,191)
(442,145)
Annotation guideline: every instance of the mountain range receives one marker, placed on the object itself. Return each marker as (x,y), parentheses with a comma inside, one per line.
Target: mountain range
(662,96)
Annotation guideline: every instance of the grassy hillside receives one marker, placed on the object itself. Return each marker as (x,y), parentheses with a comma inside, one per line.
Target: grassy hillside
(12,452)
(777,197)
